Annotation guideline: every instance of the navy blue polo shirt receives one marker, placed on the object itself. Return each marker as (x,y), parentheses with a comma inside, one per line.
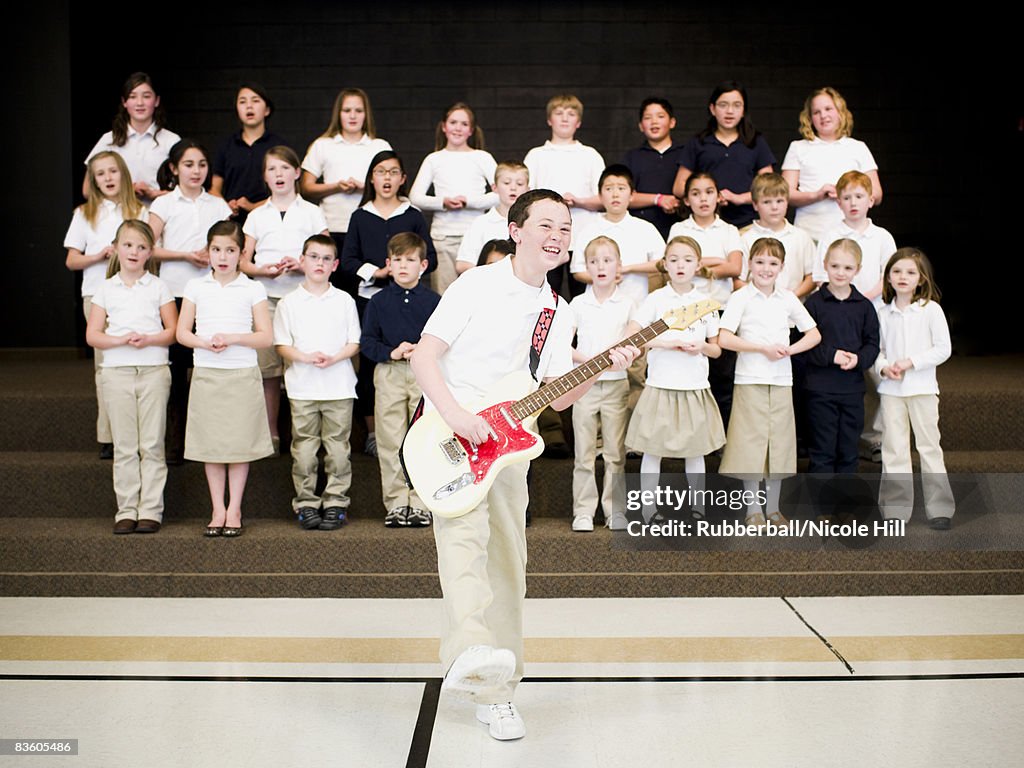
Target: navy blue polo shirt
(733,167)
(366,241)
(241,166)
(850,324)
(394,315)
(654,172)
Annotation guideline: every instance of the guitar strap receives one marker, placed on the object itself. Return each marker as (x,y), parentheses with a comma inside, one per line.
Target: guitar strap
(537,341)
(540,334)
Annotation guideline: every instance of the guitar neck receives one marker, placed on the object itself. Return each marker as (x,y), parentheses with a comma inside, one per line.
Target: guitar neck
(547,394)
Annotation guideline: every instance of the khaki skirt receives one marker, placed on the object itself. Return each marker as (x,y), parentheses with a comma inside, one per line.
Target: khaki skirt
(676,423)
(227,417)
(762,433)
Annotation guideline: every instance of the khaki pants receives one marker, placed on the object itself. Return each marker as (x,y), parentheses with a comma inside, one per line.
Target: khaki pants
(136,402)
(447,247)
(481,561)
(604,408)
(397,398)
(316,423)
(896,493)
(102,419)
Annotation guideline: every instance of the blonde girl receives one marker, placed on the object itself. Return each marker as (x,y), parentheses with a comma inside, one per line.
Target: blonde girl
(133,319)
(109,200)
(460,172)
(224,318)
(815,162)
(676,415)
(334,169)
(914,342)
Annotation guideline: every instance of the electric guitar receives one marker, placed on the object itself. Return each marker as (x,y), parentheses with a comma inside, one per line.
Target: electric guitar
(452,475)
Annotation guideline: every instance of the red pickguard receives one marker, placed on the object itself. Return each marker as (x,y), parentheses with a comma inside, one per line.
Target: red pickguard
(511,439)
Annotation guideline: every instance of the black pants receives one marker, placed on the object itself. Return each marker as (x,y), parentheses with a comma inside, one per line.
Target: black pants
(835,422)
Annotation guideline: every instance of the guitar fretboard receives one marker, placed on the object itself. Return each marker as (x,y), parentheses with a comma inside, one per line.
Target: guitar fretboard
(550,392)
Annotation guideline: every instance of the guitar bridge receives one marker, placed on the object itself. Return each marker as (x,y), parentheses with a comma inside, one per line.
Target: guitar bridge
(453,451)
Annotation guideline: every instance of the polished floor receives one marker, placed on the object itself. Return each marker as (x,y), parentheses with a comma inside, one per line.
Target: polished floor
(872,681)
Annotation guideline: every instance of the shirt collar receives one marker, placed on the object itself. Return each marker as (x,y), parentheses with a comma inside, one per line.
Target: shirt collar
(145,279)
(402,208)
(590,298)
(339,139)
(395,288)
(150,131)
(855,295)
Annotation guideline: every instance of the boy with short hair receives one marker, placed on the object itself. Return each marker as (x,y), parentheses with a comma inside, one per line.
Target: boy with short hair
(316,331)
(564,164)
(654,164)
(511,179)
(639,242)
(769,195)
(482,331)
(853,193)
(600,314)
(834,371)
(392,325)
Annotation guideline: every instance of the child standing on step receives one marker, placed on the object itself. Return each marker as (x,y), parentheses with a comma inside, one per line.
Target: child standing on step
(224,318)
(132,318)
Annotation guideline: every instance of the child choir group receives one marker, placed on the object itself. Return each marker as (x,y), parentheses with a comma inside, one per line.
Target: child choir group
(235,257)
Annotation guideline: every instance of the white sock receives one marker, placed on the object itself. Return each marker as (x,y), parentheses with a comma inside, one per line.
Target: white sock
(750,488)
(695,477)
(650,476)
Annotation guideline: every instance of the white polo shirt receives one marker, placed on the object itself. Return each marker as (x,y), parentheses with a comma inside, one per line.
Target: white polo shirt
(186,223)
(877,247)
(325,324)
(716,241)
(93,238)
(800,252)
(919,332)
(639,242)
(280,235)
(454,174)
(133,309)
(599,325)
(487,318)
(672,368)
(224,309)
(489,226)
(567,168)
(764,319)
(143,153)
(820,163)
(334,158)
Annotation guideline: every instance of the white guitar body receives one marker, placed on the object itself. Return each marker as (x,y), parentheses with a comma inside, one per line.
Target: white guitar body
(451,475)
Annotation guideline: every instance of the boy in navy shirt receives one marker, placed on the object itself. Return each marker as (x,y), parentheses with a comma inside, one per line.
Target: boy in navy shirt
(392,326)
(654,164)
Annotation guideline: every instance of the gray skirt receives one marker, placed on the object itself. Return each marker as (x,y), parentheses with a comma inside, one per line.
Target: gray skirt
(676,423)
(227,417)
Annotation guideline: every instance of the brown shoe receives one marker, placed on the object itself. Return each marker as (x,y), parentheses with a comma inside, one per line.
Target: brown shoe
(147,526)
(124,526)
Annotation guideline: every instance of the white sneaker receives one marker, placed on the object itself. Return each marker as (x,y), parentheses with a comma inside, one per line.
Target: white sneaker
(479,670)
(582,523)
(503,720)
(617,522)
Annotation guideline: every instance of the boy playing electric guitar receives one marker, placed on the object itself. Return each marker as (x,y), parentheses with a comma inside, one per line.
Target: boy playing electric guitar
(480,332)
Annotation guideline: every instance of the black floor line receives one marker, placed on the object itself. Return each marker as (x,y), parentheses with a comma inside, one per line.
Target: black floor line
(436,681)
(821,637)
(419,749)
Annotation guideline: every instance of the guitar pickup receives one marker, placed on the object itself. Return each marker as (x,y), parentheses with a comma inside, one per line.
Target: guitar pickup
(453,451)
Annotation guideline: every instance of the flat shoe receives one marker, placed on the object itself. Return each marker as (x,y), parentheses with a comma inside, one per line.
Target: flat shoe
(126,525)
(231,532)
(146,525)
(213,530)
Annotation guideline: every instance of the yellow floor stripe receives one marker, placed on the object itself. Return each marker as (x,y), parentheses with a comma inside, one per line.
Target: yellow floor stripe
(394,650)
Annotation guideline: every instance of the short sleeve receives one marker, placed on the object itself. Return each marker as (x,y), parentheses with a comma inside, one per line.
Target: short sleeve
(282,326)
(259,293)
(165,295)
(688,157)
(457,305)
(99,299)
(793,160)
(191,291)
(762,154)
(352,320)
(865,160)
(77,234)
(161,207)
(733,313)
(313,161)
(798,314)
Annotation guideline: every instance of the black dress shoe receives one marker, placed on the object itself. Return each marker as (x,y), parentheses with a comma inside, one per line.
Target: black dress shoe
(940,523)
(106,451)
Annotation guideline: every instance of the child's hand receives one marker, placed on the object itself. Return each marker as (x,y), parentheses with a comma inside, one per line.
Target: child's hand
(200,258)
(691,347)
(381,273)
(454,203)
(289,264)
(234,206)
(138,340)
(828,192)
(219,342)
(623,357)
(243,203)
(403,351)
(842,358)
(142,189)
(470,426)
(570,199)
(851,361)
(105,254)
(320,360)
(775,351)
(902,365)
(726,196)
(891,372)
(669,203)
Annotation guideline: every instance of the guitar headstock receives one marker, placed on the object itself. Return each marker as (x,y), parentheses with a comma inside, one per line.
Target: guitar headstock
(681,318)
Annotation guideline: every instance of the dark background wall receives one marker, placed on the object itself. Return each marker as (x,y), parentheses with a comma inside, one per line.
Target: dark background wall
(937,100)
